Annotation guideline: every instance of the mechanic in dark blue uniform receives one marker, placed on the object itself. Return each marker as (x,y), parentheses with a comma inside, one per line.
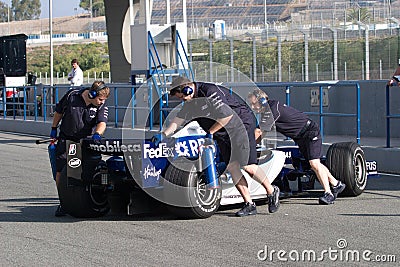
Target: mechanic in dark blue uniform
(304,132)
(82,113)
(230,121)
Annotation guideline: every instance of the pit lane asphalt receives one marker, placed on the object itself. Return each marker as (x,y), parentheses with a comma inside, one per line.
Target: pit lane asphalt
(30,235)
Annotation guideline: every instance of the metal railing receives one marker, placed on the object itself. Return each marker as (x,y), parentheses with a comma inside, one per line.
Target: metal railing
(118,101)
(15,101)
(321,113)
(389,116)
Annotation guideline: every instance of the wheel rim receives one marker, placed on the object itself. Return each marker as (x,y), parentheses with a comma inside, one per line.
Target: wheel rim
(97,191)
(206,197)
(360,171)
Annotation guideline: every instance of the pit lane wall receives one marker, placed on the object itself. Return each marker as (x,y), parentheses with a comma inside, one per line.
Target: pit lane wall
(336,129)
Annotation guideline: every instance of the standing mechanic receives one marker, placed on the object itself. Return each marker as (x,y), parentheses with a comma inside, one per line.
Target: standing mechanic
(305,133)
(82,113)
(228,119)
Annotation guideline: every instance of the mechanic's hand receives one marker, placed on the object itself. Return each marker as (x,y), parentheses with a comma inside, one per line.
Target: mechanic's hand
(96,137)
(393,82)
(53,133)
(157,138)
(208,141)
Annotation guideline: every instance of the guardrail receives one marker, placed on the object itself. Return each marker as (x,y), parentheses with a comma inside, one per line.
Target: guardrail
(15,101)
(389,116)
(124,98)
(126,93)
(321,113)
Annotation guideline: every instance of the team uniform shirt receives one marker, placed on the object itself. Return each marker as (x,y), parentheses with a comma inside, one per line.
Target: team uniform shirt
(287,120)
(79,120)
(212,102)
(296,125)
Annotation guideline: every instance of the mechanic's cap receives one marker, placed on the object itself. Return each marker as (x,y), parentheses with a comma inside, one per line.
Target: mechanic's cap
(177,83)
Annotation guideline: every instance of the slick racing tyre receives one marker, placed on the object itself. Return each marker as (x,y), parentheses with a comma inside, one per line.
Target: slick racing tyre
(346,161)
(82,200)
(185,191)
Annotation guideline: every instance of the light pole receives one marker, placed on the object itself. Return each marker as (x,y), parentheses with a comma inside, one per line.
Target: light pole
(91,15)
(265,13)
(8,16)
(51,40)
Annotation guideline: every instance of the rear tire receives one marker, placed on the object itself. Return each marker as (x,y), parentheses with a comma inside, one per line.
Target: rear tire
(82,200)
(186,194)
(346,161)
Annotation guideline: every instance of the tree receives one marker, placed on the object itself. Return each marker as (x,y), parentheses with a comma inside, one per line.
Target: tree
(25,10)
(3,12)
(97,7)
(358,14)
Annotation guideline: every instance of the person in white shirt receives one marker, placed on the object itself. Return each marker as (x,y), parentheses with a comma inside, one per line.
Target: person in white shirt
(75,77)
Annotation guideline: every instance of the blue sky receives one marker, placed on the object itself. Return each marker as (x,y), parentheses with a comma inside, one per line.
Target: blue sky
(61,8)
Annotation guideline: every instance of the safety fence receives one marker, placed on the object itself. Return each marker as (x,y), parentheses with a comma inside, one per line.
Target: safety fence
(129,106)
(389,115)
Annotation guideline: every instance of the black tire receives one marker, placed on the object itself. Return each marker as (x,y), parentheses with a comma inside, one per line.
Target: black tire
(185,191)
(346,161)
(82,200)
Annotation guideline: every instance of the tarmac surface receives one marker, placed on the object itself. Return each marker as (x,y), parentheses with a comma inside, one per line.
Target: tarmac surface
(360,231)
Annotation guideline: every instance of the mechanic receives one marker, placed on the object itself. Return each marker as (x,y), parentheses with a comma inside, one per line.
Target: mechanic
(82,113)
(304,132)
(228,119)
(395,78)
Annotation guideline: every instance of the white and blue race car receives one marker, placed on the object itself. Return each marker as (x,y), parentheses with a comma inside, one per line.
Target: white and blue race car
(136,176)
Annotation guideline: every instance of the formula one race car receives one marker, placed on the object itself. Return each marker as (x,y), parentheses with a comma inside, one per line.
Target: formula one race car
(137,176)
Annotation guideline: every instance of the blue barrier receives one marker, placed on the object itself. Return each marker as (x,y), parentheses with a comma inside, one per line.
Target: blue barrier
(321,113)
(389,116)
(51,94)
(14,100)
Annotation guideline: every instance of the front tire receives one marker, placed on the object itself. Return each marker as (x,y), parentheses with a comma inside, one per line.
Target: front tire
(186,194)
(346,161)
(82,200)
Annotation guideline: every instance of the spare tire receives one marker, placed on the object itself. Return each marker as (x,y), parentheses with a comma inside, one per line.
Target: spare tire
(80,199)
(185,191)
(346,161)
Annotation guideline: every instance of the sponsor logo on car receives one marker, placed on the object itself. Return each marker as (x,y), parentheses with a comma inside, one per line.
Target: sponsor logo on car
(182,148)
(151,172)
(72,150)
(115,146)
(74,163)
(162,151)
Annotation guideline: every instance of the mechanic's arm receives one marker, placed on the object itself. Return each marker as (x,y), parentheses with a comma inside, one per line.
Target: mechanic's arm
(176,122)
(219,124)
(101,128)
(56,119)
(393,81)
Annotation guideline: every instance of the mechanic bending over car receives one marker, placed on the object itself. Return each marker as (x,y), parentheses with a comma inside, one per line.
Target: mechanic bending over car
(82,113)
(228,119)
(304,132)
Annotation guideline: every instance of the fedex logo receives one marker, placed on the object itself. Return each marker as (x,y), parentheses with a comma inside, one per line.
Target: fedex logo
(162,151)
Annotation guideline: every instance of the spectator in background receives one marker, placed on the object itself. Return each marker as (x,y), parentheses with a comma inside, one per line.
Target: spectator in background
(75,77)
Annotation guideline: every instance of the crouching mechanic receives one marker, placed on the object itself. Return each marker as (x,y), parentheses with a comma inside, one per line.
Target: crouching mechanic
(304,132)
(228,119)
(82,113)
